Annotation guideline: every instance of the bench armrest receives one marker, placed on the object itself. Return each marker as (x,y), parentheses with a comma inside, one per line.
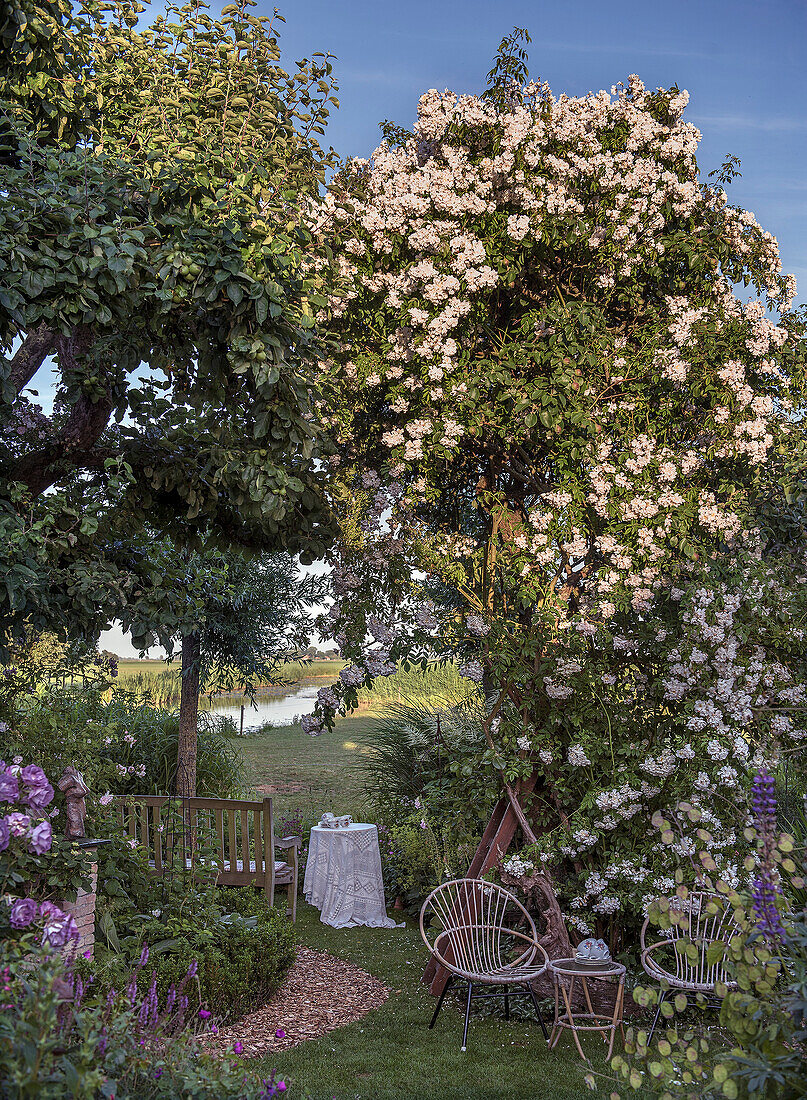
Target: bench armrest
(288,842)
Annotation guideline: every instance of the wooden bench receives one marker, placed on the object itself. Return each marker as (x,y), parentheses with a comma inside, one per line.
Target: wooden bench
(241,833)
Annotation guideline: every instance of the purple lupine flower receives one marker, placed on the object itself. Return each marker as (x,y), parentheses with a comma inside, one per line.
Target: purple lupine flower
(144,957)
(193,969)
(41,838)
(765,890)
(39,793)
(5,833)
(23,913)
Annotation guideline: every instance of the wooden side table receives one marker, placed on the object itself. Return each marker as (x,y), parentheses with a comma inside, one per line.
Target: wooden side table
(565,974)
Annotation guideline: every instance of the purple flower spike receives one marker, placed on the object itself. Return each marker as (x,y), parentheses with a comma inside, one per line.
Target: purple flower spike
(765,889)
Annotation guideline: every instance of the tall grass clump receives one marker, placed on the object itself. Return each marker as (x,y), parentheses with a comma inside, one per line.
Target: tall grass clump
(439,683)
(419,750)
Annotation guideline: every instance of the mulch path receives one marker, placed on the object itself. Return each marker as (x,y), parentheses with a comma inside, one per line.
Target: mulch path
(320,993)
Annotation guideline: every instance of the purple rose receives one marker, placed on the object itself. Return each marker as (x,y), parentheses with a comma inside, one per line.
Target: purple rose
(23,913)
(40,792)
(40,839)
(9,785)
(59,929)
(47,910)
(19,824)
(4,834)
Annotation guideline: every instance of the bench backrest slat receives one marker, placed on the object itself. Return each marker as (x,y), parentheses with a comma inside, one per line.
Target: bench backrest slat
(242,859)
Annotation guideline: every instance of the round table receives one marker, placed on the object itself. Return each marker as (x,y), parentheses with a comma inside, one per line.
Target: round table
(343,876)
(565,973)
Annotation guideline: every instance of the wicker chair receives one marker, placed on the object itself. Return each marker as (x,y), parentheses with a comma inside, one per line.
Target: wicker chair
(485,936)
(708,920)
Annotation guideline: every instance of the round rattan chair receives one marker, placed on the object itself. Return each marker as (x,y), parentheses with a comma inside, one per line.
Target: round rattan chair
(703,919)
(483,935)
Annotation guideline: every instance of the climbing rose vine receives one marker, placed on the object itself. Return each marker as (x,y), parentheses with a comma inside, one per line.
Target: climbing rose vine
(538,346)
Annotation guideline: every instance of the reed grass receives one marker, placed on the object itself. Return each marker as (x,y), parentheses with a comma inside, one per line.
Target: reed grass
(162,684)
(436,684)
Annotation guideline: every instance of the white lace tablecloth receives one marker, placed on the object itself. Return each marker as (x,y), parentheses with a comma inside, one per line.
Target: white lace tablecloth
(343,877)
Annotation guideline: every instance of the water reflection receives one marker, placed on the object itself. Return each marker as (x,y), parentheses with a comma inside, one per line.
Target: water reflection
(279,710)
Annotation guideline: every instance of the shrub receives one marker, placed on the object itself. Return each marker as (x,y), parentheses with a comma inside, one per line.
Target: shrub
(119,742)
(241,959)
(61,1036)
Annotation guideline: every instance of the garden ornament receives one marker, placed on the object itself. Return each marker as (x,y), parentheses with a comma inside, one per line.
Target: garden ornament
(75,791)
(591,950)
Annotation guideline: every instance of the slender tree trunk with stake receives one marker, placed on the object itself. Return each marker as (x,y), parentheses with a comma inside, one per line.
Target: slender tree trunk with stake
(188,717)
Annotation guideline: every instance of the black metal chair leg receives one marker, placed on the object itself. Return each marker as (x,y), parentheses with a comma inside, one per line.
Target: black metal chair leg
(467,1015)
(440,1000)
(535,1005)
(507,1006)
(662,995)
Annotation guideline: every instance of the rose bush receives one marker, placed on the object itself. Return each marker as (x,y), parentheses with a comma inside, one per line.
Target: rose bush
(34,861)
(568,450)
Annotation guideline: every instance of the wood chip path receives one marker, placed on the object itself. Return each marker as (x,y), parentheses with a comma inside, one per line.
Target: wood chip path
(320,993)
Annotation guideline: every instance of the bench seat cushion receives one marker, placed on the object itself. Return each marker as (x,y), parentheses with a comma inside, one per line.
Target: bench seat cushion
(281,868)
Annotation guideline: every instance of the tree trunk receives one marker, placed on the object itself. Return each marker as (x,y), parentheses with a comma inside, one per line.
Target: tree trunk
(188,717)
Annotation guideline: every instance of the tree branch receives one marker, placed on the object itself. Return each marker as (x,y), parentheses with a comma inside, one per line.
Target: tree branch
(35,348)
(82,429)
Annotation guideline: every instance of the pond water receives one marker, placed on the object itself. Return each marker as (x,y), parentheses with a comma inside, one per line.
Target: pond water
(280,710)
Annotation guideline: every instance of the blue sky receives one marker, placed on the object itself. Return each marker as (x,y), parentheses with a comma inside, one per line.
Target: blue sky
(743,64)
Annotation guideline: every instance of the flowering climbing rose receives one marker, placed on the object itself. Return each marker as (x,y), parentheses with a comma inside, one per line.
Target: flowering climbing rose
(567,417)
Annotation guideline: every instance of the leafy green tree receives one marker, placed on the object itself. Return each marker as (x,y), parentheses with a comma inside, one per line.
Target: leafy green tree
(152,235)
(231,619)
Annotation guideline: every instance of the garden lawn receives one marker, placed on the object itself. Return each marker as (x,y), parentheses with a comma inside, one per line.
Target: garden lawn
(308,775)
(390,1054)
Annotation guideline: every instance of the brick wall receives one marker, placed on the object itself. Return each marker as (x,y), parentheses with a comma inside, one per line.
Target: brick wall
(83,910)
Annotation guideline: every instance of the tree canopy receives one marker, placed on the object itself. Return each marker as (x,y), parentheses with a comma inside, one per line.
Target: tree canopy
(151,249)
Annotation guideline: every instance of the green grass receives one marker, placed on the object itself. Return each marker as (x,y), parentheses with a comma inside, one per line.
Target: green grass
(308,774)
(390,1054)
